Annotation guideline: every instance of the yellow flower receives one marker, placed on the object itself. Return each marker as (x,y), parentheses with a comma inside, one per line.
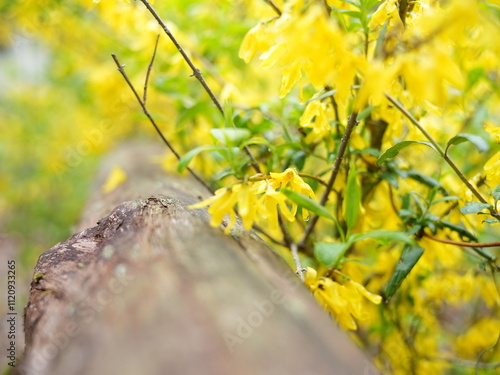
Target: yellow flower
(316,117)
(221,204)
(377,77)
(482,335)
(345,302)
(256,39)
(116,177)
(388,10)
(492,170)
(291,75)
(257,201)
(286,43)
(375,298)
(268,209)
(293,181)
(247,203)
(494,130)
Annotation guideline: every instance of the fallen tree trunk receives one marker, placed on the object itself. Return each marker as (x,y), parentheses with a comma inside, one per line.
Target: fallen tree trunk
(153,289)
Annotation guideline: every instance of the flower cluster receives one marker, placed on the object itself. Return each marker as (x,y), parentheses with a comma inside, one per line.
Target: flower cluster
(346,301)
(257,201)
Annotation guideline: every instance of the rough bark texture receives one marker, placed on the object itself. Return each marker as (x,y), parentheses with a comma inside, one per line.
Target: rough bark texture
(153,289)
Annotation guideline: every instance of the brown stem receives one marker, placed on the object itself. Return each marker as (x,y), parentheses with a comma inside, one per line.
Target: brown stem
(443,154)
(460,243)
(153,122)
(335,171)
(271,238)
(148,73)
(274,6)
(312,177)
(403,8)
(196,72)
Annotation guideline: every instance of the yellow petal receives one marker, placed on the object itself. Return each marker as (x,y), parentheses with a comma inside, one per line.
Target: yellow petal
(291,75)
(116,177)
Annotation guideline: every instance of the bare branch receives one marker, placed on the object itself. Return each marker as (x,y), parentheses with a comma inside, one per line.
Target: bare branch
(295,253)
(153,122)
(443,154)
(460,243)
(335,171)
(196,71)
(150,66)
(274,6)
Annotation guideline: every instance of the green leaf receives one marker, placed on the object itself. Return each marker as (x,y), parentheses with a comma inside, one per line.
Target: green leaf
(394,150)
(423,179)
(351,13)
(365,113)
(223,174)
(422,205)
(323,96)
(391,178)
(379,46)
(382,236)
(299,159)
(446,199)
(491,221)
(186,159)
(496,193)
(476,140)
(409,257)
(473,207)
(352,198)
(329,254)
(357,4)
(473,76)
(231,136)
(256,141)
(314,207)
(369,150)
(228,115)
(307,203)
(463,232)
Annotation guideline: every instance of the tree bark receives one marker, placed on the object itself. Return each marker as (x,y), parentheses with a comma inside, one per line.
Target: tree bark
(153,289)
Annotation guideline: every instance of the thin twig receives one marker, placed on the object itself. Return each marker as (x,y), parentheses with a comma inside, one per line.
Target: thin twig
(335,171)
(153,122)
(295,253)
(148,73)
(463,362)
(443,154)
(287,238)
(312,177)
(274,6)
(415,122)
(491,259)
(460,243)
(480,356)
(262,231)
(196,72)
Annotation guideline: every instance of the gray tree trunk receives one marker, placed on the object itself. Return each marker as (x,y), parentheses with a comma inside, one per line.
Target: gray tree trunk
(153,289)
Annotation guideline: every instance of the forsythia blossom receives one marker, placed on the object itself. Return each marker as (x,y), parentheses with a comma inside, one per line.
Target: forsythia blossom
(257,202)
(316,117)
(344,301)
